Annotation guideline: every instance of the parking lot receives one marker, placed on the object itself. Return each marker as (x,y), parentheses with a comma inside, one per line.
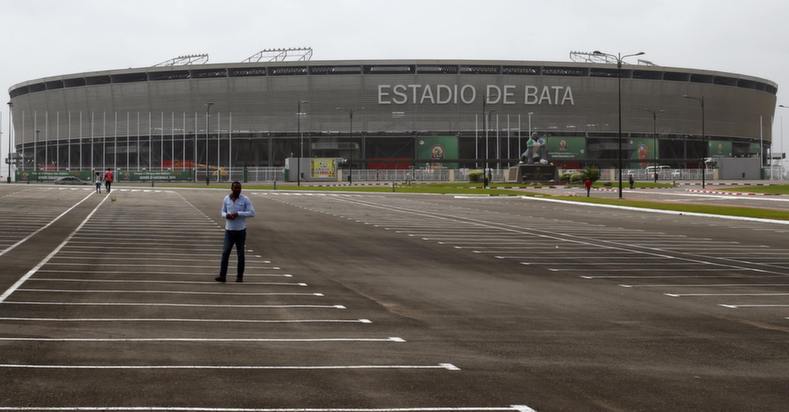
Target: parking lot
(385,302)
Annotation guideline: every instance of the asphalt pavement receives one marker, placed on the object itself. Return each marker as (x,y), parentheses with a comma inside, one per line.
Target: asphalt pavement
(385,302)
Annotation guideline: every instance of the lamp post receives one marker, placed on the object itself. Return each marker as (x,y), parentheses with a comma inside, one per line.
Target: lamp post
(703,138)
(301,141)
(619,59)
(207,128)
(10,108)
(783,154)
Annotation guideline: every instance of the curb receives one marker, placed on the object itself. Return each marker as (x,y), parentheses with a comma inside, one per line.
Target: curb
(716,192)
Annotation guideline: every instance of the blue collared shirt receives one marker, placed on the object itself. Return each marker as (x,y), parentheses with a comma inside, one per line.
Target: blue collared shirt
(243,206)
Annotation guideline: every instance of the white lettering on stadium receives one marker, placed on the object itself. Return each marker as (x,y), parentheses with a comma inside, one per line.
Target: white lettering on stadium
(467,94)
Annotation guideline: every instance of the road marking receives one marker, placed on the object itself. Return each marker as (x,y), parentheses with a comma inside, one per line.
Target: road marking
(166,266)
(23,339)
(44,261)
(679,295)
(26,238)
(174,282)
(516,408)
(168,292)
(444,366)
(711,285)
(363,321)
(725,305)
(188,305)
(137,272)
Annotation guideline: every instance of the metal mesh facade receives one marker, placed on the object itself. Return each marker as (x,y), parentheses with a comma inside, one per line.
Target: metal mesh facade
(255,105)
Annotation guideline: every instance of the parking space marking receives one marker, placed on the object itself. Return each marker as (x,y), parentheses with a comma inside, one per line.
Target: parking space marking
(392,339)
(170,292)
(166,282)
(515,408)
(138,272)
(162,304)
(46,259)
(37,231)
(440,366)
(207,320)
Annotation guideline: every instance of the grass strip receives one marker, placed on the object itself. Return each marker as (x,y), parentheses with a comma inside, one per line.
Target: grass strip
(685,207)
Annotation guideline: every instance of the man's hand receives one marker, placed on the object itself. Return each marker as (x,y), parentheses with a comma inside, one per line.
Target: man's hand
(231,216)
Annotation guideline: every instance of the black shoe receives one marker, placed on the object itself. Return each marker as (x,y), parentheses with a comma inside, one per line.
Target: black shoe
(220,279)
(239,280)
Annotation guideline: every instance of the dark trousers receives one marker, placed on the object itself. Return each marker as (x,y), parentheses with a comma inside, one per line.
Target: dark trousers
(238,238)
(108,186)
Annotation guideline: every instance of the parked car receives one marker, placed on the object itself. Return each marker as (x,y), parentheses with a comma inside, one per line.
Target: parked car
(70,180)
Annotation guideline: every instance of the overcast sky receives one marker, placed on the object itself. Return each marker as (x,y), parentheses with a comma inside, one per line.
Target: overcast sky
(53,37)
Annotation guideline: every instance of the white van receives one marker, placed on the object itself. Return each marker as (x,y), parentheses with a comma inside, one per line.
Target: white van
(652,169)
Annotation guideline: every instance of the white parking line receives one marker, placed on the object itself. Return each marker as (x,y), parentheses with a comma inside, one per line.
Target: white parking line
(46,259)
(711,285)
(167,292)
(24,319)
(167,282)
(443,366)
(26,238)
(186,305)
(516,408)
(137,272)
(31,339)
(679,295)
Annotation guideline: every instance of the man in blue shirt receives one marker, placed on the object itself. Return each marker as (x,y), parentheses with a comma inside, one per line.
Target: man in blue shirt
(236,208)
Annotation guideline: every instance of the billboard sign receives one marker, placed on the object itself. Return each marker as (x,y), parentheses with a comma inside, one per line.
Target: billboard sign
(436,149)
(566,148)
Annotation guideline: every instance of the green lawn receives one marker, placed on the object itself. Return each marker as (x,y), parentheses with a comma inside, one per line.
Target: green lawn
(685,207)
(770,190)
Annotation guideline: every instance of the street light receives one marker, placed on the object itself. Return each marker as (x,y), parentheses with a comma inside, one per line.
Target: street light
(703,138)
(619,58)
(350,135)
(207,129)
(10,107)
(301,142)
(783,154)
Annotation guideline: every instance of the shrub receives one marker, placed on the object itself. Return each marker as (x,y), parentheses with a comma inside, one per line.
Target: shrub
(475,176)
(591,172)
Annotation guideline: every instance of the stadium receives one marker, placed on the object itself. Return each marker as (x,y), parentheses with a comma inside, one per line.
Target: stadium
(387,114)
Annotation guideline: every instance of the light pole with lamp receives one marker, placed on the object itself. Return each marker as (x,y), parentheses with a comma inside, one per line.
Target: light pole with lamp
(10,119)
(207,129)
(301,141)
(619,59)
(783,154)
(703,138)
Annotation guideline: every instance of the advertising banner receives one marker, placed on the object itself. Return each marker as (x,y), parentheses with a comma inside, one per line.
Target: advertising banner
(323,168)
(566,148)
(642,150)
(159,175)
(436,149)
(50,176)
(720,148)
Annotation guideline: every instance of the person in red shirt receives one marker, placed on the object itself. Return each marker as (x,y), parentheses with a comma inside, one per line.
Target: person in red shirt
(588,185)
(108,179)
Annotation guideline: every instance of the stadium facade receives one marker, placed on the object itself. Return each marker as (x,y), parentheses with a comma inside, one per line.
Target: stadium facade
(387,114)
